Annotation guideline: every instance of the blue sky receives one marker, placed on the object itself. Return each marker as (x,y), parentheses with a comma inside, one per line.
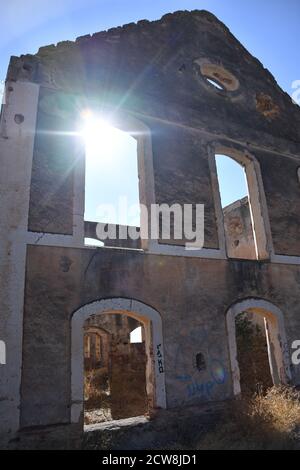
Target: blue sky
(111,191)
(269,29)
(228,171)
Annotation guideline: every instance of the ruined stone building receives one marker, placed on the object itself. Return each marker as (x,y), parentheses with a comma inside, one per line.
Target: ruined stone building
(186,90)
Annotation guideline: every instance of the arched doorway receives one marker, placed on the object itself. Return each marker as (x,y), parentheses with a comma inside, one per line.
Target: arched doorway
(152,325)
(115,360)
(272,318)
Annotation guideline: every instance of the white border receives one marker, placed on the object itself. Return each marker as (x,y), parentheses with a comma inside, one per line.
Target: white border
(16,152)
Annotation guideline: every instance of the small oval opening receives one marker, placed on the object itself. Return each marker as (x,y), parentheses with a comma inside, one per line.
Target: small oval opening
(217,76)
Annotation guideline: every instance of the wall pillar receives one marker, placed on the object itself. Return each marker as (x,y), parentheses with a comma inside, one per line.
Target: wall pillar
(17,132)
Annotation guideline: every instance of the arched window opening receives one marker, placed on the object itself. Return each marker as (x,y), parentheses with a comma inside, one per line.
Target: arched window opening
(237,214)
(114,368)
(111,180)
(136,335)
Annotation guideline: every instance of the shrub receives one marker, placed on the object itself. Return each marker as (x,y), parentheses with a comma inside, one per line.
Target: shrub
(269,421)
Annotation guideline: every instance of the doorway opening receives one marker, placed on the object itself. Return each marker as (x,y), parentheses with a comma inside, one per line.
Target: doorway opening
(257,346)
(152,337)
(237,212)
(252,338)
(115,368)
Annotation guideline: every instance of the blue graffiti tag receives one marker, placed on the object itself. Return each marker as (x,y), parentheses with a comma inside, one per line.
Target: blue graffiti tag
(218,376)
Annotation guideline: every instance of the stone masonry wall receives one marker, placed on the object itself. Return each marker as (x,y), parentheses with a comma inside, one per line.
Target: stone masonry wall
(182,290)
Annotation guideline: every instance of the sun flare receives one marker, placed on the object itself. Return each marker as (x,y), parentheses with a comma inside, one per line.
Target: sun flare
(99,136)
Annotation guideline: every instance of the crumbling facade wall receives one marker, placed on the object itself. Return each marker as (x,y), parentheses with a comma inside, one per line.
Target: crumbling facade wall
(152,74)
(238,227)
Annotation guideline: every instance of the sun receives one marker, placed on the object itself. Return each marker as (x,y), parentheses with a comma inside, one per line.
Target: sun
(99,136)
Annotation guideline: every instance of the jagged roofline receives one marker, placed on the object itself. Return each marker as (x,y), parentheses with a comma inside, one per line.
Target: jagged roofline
(198,15)
(202,15)
(27,67)
(169,17)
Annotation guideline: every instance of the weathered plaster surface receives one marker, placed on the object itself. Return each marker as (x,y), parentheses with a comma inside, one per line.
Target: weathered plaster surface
(16,144)
(182,290)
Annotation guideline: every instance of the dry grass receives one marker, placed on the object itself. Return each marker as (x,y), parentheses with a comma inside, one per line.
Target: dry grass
(96,393)
(270,421)
(96,397)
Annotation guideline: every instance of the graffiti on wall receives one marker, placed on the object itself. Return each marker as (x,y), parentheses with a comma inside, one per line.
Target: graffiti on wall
(159,359)
(218,376)
(213,373)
